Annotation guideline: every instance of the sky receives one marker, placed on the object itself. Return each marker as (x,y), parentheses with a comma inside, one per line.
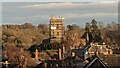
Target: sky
(74,12)
(55,0)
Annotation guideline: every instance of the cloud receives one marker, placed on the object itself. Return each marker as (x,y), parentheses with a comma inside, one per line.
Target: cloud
(87,15)
(31,8)
(70,5)
(109,1)
(27,18)
(66,16)
(51,6)
(54,0)
(71,11)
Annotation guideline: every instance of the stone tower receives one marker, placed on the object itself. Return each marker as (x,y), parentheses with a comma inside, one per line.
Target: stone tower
(56,29)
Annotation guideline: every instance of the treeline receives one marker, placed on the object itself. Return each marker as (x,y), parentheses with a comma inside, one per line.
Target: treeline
(24,35)
(112,34)
(19,40)
(27,34)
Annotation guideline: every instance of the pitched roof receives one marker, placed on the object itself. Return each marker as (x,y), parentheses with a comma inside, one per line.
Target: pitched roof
(99,48)
(110,60)
(95,63)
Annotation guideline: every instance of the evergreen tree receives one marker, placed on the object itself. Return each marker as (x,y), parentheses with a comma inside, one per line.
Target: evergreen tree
(95,31)
(92,33)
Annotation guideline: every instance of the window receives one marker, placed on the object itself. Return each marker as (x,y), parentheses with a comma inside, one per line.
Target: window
(58,33)
(57,26)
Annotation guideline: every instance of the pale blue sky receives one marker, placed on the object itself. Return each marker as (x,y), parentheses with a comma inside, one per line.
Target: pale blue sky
(74,13)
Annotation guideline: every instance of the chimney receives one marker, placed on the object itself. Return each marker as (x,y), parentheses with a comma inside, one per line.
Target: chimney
(60,54)
(63,51)
(36,54)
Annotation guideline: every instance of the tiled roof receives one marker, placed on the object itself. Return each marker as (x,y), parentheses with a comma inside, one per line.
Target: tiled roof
(96,62)
(110,60)
(98,48)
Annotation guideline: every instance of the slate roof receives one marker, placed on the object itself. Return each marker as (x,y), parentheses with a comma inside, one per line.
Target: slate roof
(80,52)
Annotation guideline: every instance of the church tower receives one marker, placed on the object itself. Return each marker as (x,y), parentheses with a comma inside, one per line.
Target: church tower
(56,29)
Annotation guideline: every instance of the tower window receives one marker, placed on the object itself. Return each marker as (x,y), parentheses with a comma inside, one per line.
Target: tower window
(57,26)
(58,33)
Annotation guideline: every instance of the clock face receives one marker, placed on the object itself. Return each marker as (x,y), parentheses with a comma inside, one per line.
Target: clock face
(53,28)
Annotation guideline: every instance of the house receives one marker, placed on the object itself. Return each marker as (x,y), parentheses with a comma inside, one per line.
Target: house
(82,52)
(100,49)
